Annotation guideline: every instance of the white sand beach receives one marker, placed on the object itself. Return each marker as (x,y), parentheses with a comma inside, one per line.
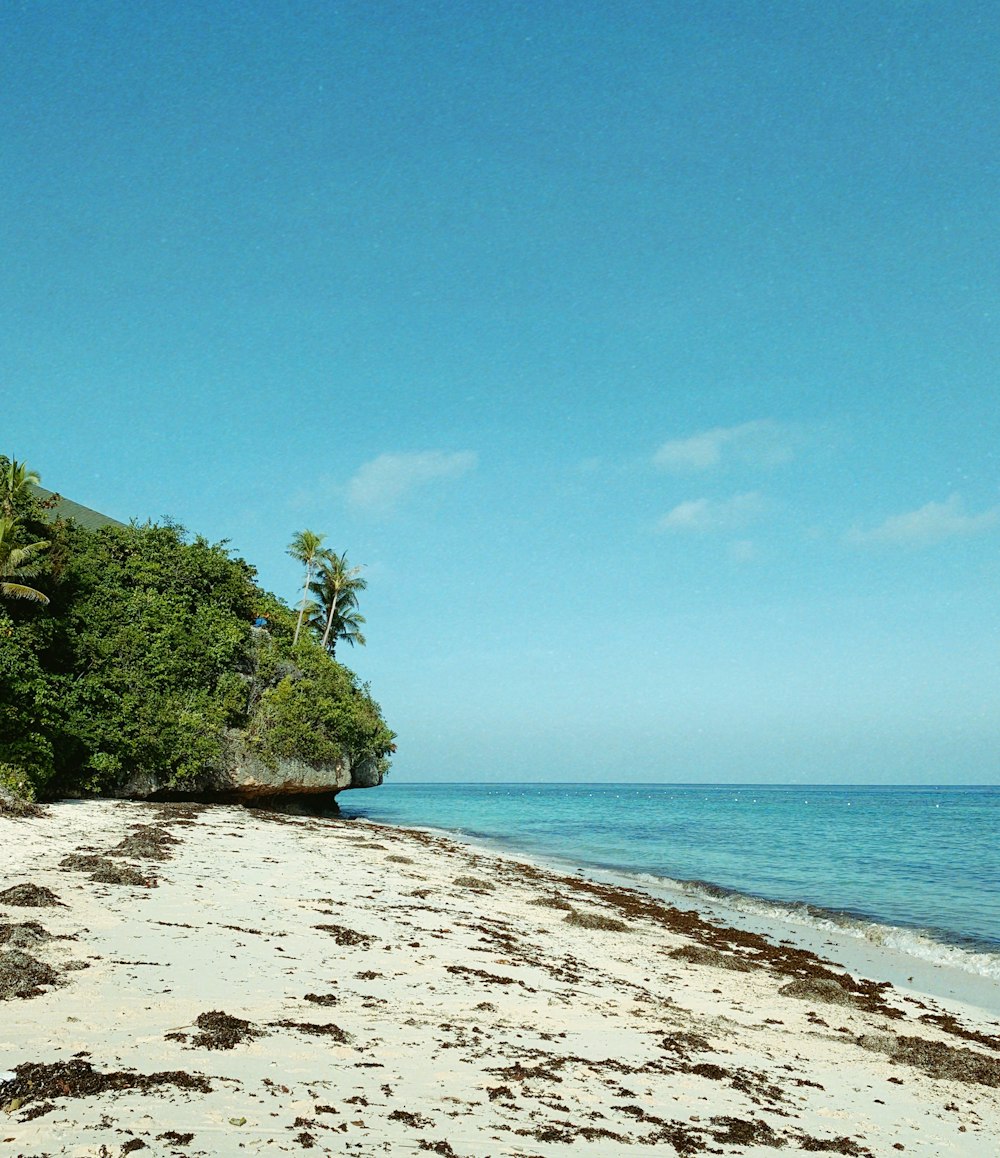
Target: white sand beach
(288,983)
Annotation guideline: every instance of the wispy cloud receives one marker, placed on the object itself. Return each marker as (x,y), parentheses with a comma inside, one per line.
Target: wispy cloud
(762,443)
(701,515)
(929,524)
(380,485)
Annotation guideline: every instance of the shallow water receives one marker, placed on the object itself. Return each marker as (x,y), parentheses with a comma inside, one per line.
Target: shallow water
(917,869)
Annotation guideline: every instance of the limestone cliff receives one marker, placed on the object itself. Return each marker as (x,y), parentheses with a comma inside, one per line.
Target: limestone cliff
(244,774)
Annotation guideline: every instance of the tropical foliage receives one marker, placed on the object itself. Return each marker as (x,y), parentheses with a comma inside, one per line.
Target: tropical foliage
(305,547)
(18,563)
(146,654)
(335,613)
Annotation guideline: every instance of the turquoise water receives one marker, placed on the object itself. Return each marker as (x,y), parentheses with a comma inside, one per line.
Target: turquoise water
(920,866)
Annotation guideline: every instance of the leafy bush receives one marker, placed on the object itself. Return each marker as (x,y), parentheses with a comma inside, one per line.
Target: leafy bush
(146,654)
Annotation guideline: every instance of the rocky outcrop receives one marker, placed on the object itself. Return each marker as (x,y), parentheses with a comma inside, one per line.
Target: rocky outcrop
(245,775)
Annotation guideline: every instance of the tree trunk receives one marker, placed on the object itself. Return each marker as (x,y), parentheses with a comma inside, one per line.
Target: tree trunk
(305,596)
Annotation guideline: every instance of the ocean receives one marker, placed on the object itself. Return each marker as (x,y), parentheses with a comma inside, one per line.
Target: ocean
(912,869)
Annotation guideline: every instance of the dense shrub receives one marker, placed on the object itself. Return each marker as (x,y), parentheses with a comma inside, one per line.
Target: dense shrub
(146,654)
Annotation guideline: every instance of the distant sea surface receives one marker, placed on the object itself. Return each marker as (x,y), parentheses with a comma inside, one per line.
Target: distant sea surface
(917,869)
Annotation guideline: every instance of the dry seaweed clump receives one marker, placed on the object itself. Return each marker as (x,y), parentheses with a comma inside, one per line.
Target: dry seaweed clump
(818,989)
(22,975)
(18,809)
(30,896)
(474,883)
(595,921)
(23,933)
(146,842)
(121,874)
(78,1079)
(83,862)
(344,936)
(551,901)
(935,1058)
(317,1029)
(703,955)
(221,1031)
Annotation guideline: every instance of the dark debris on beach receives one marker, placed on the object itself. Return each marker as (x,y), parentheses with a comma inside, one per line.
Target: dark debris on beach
(22,975)
(77,1078)
(29,895)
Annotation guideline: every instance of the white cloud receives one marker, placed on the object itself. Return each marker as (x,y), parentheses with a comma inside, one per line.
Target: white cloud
(927,525)
(385,481)
(762,443)
(713,514)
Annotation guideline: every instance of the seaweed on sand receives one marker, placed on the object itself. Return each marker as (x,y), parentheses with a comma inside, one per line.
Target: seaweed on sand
(20,809)
(344,936)
(120,874)
(595,921)
(703,955)
(83,862)
(30,896)
(474,883)
(78,1079)
(22,975)
(105,871)
(935,1058)
(221,1031)
(551,901)
(818,989)
(23,933)
(146,842)
(318,1029)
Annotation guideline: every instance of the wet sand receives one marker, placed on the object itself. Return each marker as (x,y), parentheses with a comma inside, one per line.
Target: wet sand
(182,980)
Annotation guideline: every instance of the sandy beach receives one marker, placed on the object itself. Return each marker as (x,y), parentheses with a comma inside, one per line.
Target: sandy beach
(184,980)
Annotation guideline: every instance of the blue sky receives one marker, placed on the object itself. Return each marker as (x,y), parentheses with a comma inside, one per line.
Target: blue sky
(645,353)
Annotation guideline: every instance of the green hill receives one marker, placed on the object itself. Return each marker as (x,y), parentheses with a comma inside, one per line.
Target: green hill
(66,509)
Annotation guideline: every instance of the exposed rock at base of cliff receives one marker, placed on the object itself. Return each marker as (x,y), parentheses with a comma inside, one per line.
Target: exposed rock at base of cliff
(245,775)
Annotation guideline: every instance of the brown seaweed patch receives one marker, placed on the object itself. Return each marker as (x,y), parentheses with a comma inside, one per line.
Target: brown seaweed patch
(818,989)
(397,859)
(476,883)
(327,1029)
(221,1031)
(84,862)
(146,842)
(703,955)
(833,1146)
(23,934)
(935,1058)
(322,998)
(745,1132)
(551,902)
(16,809)
(410,1119)
(119,874)
(30,896)
(595,921)
(344,936)
(481,975)
(22,975)
(78,1079)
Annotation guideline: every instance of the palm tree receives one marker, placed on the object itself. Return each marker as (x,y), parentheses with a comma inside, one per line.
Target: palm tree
(336,588)
(15,481)
(19,563)
(304,547)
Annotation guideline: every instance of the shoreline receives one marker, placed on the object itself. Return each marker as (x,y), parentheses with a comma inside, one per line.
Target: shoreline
(394,990)
(864,944)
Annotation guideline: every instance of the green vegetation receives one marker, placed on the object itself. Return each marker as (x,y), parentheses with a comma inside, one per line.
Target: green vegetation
(146,654)
(335,611)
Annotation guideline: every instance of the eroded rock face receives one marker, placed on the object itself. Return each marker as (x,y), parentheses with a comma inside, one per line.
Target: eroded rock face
(244,775)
